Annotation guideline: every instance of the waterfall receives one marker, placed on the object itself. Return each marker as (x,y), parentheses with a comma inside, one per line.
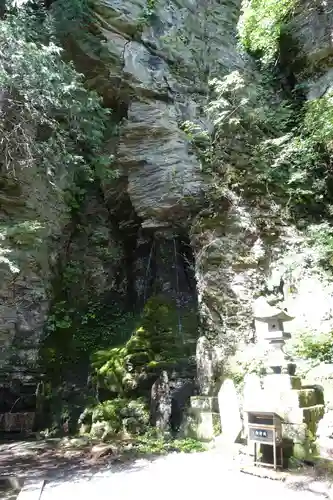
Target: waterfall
(180,330)
(147,272)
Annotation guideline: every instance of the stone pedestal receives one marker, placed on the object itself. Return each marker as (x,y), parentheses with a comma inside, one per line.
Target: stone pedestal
(300,408)
(322,376)
(203,420)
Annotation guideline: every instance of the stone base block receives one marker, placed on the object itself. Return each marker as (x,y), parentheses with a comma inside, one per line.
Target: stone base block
(280,382)
(309,416)
(201,425)
(295,432)
(293,406)
(302,398)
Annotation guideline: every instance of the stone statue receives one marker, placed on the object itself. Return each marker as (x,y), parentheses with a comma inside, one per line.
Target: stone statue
(208,367)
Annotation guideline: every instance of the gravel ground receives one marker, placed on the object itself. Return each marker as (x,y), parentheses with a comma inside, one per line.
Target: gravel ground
(181,476)
(175,476)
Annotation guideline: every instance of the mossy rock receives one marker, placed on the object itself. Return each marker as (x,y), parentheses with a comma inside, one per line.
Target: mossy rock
(118,415)
(154,345)
(305,450)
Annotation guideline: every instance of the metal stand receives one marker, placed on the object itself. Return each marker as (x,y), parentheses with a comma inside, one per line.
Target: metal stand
(266,428)
(275,465)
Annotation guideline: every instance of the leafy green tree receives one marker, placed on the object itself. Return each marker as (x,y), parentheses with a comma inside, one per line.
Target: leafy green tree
(49,119)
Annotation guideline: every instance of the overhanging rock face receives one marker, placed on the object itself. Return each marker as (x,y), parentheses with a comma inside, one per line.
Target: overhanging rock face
(155,63)
(154,69)
(310,31)
(161,173)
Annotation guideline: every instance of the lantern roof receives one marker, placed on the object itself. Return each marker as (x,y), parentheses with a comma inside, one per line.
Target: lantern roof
(265,312)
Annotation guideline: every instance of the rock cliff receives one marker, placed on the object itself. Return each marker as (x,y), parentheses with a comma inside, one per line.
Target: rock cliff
(157,228)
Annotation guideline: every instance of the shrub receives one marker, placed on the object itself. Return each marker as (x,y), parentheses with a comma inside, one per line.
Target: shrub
(130,416)
(316,348)
(50,119)
(261,24)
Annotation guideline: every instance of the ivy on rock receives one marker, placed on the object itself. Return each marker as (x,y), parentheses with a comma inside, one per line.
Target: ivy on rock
(261,25)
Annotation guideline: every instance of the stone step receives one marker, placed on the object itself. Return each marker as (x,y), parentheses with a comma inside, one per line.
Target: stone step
(302,398)
(32,490)
(278,382)
(12,483)
(309,416)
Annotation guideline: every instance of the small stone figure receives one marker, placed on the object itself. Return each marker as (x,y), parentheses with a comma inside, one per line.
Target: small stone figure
(208,366)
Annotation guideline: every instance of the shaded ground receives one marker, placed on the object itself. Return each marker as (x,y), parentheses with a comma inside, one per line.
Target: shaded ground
(71,468)
(52,459)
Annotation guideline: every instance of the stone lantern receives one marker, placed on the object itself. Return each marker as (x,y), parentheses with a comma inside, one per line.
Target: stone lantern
(271,320)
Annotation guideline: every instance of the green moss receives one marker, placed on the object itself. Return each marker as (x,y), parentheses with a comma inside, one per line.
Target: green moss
(154,344)
(217,429)
(120,415)
(302,451)
(159,445)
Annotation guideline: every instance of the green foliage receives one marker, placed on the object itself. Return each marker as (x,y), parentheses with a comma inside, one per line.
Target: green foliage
(152,444)
(71,16)
(201,142)
(321,241)
(27,234)
(261,24)
(110,367)
(74,21)
(318,120)
(150,7)
(74,332)
(153,343)
(315,348)
(292,160)
(51,122)
(276,159)
(244,364)
(147,14)
(130,416)
(245,114)
(299,163)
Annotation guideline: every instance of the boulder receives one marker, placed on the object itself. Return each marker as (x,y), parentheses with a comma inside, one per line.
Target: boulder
(160,402)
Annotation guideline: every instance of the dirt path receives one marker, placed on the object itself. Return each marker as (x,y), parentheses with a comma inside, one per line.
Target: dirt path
(180,476)
(175,476)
